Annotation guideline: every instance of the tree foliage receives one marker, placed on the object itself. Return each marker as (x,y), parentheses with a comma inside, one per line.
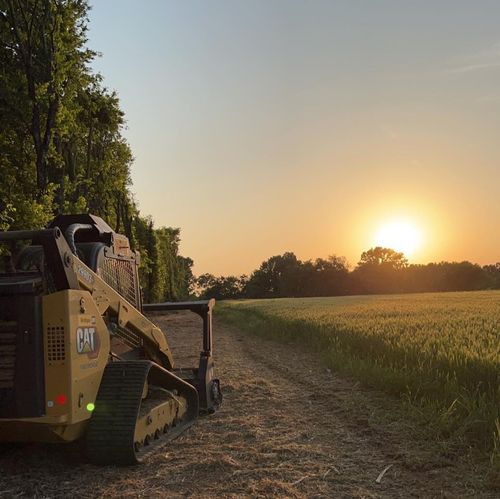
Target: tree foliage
(380,270)
(61,142)
(221,288)
(382,257)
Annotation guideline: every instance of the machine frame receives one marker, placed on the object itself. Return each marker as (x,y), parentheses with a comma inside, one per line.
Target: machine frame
(75,314)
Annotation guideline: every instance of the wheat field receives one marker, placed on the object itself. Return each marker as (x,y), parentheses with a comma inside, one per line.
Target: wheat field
(439,352)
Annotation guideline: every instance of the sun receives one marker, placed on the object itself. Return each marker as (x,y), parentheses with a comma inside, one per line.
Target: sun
(399,235)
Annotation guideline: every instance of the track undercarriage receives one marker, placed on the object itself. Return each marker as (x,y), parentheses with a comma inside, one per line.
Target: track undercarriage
(139,405)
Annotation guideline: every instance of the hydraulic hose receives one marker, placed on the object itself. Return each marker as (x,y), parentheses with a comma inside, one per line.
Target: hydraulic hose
(70,234)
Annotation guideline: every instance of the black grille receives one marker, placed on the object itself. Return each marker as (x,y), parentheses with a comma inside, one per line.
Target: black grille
(56,346)
(120,275)
(22,392)
(8,335)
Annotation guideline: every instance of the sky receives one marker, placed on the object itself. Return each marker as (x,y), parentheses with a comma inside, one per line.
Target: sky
(265,126)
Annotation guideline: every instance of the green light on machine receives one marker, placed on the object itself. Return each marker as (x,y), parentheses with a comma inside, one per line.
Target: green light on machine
(90,407)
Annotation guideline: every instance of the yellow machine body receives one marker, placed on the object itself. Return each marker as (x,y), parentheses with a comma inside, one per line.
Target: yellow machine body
(76,349)
(77,356)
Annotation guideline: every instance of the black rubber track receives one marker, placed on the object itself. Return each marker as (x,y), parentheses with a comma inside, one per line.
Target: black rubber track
(110,433)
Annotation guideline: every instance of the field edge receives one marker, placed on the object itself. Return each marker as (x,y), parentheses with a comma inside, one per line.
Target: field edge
(428,417)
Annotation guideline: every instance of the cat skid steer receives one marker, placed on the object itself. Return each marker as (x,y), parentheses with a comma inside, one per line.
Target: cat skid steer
(79,360)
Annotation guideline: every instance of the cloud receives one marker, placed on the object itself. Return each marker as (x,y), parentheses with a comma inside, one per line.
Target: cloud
(483,60)
(474,67)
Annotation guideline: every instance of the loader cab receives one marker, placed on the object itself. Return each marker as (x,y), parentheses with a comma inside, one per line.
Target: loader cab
(94,242)
(119,272)
(31,258)
(107,253)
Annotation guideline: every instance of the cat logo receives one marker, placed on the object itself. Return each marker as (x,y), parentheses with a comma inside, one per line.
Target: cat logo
(86,340)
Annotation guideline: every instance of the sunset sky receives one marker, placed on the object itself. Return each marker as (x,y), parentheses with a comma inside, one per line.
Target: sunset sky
(260,127)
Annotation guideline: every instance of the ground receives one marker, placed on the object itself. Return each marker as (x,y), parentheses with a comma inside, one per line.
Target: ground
(288,427)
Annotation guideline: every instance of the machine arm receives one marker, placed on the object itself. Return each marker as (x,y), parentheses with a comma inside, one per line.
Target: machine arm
(203,376)
(203,308)
(108,299)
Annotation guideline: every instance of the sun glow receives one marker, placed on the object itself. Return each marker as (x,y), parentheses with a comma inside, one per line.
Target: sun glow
(400,236)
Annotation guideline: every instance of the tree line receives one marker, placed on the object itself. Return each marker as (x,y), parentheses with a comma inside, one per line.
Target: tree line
(380,270)
(62,148)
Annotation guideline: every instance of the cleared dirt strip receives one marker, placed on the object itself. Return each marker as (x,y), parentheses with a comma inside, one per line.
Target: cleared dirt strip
(288,428)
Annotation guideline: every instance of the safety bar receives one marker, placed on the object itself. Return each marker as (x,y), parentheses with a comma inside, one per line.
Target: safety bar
(20,235)
(56,251)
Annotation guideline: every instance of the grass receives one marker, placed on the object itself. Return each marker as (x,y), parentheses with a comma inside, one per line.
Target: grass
(439,352)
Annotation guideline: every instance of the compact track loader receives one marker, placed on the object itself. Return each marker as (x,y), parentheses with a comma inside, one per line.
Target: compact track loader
(78,359)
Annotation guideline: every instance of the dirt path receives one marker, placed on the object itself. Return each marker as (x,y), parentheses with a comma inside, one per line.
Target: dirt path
(287,428)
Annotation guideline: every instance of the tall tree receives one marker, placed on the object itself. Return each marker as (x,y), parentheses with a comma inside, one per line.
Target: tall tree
(46,43)
(277,276)
(378,271)
(61,143)
(383,256)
